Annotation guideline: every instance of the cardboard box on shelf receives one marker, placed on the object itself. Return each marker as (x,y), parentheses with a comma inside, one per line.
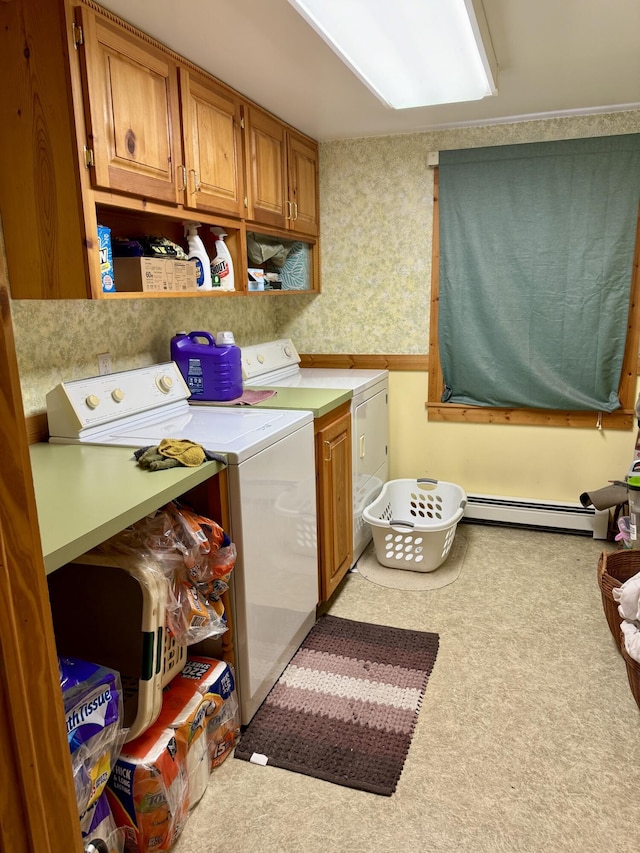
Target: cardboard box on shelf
(154,275)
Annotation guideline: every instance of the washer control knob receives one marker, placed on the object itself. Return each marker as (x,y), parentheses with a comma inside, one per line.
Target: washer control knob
(164,383)
(287,351)
(261,359)
(117,395)
(92,401)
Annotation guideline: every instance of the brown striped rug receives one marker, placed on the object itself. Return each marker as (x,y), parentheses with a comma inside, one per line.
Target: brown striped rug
(345,708)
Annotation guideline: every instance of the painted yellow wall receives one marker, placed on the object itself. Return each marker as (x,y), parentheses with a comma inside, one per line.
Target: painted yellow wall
(546,463)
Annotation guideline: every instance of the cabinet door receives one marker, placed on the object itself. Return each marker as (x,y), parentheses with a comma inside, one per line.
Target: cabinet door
(133,113)
(335,504)
(265,140)
(212,146)
(303,181)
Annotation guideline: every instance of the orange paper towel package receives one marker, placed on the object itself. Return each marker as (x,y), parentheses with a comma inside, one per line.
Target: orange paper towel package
(200,703)
(147,790)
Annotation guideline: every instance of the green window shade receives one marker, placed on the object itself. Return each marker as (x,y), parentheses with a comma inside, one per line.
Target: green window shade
(536,259)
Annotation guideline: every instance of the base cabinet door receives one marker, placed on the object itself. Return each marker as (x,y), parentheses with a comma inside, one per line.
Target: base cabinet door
(335,503)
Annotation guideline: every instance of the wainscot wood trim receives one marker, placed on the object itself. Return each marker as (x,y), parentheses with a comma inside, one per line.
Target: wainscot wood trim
(365,362)
(37,428)
(454,413)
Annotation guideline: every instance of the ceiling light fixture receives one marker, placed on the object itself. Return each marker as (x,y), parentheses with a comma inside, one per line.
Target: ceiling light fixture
(410,53)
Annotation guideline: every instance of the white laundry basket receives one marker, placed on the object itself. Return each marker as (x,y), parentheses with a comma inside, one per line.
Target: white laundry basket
(414,522)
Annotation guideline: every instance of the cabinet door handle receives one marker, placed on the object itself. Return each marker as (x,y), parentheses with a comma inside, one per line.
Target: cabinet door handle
(295,204)
(327,447)
(289,210)
(196,180)
(183,172)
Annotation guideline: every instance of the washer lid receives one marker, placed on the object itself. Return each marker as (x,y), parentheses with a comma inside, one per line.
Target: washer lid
(355,380)
(238,433)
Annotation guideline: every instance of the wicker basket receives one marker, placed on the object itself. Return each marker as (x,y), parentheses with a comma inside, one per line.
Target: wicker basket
(633,670)
(614,568)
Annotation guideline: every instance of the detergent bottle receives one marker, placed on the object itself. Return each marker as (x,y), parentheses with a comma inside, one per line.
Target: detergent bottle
(198,254)
(212,371)
(222,264)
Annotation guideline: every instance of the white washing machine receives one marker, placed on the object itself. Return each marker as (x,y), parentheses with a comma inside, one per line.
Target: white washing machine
(271,474)
(276,364)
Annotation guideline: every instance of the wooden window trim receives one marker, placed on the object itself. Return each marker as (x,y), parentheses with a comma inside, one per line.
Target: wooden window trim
(622,419)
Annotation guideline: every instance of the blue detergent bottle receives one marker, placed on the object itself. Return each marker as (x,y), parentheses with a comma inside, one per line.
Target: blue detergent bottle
(212,370)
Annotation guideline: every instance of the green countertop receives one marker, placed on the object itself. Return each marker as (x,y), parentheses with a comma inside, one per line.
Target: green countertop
(85,494)
(320,401)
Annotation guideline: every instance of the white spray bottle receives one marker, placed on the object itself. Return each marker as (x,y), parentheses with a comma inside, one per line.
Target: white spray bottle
(222,265)
(198,254)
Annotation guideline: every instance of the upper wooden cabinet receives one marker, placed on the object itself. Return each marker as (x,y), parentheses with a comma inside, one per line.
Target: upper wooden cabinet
(302,159)
(102,124)
(132,116)
(212,145)
(282,174)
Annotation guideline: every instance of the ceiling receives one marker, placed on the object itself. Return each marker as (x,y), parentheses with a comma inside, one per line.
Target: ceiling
(556,58)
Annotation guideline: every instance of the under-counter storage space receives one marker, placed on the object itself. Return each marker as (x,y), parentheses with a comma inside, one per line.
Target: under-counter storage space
(121,625)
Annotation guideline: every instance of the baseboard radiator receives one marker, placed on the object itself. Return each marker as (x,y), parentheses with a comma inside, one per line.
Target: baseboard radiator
(537,515)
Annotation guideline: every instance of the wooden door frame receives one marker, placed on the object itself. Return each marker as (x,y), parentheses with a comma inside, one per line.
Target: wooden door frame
(38,808)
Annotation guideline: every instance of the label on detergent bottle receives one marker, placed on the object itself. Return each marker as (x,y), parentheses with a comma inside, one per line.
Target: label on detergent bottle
(199,271)
(195,379)
(220,269)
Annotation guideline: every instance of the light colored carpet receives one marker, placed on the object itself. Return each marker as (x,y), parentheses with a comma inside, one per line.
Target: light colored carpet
(369,567)
(528,738)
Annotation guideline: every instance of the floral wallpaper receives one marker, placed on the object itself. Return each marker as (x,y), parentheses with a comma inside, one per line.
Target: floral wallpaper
(59,340)
(376,198)
(376,208)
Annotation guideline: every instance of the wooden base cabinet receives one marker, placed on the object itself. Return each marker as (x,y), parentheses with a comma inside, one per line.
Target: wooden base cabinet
(334,497)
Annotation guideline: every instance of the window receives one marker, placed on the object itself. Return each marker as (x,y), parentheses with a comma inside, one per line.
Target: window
(533,296)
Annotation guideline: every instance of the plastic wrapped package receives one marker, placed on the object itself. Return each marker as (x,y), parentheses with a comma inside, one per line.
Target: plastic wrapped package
(223,732)
(215,681)
(148,790)
(93,706)
(97,825)
(195,557)
(195,696)
(262,249)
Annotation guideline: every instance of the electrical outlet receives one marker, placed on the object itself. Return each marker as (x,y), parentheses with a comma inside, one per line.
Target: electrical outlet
(104,363)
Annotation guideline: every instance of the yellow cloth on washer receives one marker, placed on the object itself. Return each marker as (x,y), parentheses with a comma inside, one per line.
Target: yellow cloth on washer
(186,452)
